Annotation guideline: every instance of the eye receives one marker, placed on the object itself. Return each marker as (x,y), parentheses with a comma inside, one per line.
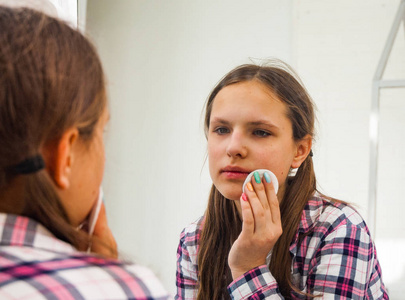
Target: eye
(221,130)
(261,133)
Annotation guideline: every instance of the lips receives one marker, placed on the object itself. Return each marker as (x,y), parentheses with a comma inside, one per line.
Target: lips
(232,172)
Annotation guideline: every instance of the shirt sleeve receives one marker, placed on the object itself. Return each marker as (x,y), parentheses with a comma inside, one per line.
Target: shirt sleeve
(186,274)
(346,266)
(257,283)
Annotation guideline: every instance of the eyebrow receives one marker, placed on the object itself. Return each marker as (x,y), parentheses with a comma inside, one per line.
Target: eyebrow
(263,122)
(254,123)
(219,120)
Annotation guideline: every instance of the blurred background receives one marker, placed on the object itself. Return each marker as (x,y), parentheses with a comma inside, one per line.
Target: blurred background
(161,60)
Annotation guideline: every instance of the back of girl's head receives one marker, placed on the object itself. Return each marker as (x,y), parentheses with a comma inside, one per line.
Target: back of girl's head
(51,79)
(280,79)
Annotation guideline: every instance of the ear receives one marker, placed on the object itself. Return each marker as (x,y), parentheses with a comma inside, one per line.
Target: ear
(59,157)
(302,151)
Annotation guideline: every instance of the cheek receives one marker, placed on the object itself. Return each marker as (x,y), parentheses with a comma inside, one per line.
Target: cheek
(100,150)
(211,158)
(278,162)
(100,168)
(214,155)
(101,157)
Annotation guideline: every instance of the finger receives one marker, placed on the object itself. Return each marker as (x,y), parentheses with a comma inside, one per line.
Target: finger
(260,190)
(248,222)
(259,214)
(104,242)
(272,199)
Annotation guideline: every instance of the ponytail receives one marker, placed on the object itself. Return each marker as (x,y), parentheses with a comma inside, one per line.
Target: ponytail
(43,204)
(217,236)
(300,188)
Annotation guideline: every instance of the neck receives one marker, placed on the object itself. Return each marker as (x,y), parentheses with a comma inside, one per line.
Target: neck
(12,197)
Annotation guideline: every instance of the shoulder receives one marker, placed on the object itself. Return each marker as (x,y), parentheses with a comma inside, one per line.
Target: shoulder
(325,215)
(111,279)
(79,276)
(335,246)
(329,227)
(191,233)
(189,242)
(34,263)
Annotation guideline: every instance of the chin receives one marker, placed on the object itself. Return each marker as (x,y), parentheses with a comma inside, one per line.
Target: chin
(231,194)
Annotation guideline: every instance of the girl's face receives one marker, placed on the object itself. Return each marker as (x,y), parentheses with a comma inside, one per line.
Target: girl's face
(249,130)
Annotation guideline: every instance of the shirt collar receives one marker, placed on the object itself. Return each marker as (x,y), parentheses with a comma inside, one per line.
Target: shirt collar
(310,215)
(22,231)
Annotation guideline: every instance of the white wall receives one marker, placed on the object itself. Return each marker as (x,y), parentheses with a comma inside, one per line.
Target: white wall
(63,9)
(336,47)
(163,57)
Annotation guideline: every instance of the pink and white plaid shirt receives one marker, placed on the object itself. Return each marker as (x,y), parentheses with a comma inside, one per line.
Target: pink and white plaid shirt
(332,254)
(36,265)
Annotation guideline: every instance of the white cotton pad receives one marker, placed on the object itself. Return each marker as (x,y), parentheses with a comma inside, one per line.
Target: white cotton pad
(95,211)
(261,172)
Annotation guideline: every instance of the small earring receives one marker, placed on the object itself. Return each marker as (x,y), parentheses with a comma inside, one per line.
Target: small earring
(292,172)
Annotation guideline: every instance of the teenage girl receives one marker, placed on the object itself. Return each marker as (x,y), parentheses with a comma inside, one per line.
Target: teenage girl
(256,243)
(53,110)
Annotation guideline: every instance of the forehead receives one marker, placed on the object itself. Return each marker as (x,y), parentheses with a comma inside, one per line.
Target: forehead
(250,99)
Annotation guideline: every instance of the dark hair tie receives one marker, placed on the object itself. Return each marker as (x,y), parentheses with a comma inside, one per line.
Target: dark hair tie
(29,165)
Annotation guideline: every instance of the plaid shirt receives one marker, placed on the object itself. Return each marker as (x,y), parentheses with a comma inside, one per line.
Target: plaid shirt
(335,258)
(36,265)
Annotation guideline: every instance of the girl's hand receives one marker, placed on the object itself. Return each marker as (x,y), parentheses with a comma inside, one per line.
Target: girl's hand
(261,228)
(104,242)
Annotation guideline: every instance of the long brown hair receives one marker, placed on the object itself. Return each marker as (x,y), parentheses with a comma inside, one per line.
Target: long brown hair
(222,225)
(51,79)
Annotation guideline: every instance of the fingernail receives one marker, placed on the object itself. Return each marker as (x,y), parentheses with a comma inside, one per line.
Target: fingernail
(244,198)
(249,186)
(267,177)
(257,177)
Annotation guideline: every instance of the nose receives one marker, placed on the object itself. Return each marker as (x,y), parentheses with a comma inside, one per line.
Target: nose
(236,147)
